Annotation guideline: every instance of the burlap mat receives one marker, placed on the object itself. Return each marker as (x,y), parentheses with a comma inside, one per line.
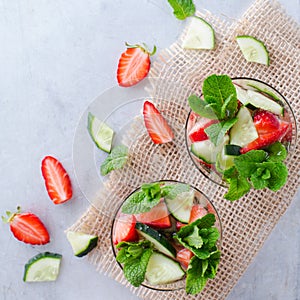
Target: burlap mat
(247,222)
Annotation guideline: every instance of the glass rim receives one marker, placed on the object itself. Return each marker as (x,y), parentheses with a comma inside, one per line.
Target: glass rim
(163,181)
(283,99)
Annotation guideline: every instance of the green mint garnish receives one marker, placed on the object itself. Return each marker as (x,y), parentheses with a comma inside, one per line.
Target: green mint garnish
(115,160)
(182,8)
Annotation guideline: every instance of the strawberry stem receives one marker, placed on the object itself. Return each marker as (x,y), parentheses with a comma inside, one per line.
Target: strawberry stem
(144,47)
(10,215)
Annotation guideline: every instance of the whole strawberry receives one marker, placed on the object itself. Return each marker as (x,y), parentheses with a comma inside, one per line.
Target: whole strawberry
(27,227)
(134,64)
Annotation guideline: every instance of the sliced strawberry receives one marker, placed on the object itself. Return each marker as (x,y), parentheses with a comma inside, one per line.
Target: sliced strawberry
(184,256)
(197,212)
(125,229)
(210,209)
(27,228)
(179,225)
(157,127)
(197,133)
(157,217)
(267,139)
(289,134)
(134,65)
(57,180)
(265,122)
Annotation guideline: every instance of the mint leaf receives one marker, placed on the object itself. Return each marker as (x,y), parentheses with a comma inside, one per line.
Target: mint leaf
(213,262)
(138,203)
(194,240)
(135,270)
(276,152)
(278,175)
(209,236)
(152,190)
(238,184)
(216,132)
(220,91)
(182,8)
(201,107)
(173,190)
(195,282)
(115,160)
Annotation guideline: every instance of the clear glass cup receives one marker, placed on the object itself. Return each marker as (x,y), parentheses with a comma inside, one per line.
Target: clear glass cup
(210,171)
(199,198)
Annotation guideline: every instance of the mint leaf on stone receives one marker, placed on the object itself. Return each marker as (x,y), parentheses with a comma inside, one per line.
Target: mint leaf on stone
(182,8)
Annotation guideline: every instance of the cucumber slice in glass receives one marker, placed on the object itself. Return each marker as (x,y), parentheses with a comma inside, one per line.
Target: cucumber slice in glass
(162,269)
(200,35)
(42,267)
(253,49)
(101,134)
(81,243)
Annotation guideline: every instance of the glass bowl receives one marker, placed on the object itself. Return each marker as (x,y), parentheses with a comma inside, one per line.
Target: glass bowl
(210,171)
(199,198)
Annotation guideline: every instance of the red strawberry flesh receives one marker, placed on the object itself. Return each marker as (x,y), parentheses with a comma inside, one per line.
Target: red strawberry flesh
(184,256)
(197,212)
(57,180)
(124,230)
(197,133)
(157,127)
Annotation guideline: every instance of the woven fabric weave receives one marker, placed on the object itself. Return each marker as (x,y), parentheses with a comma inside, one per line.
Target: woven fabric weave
(246,223)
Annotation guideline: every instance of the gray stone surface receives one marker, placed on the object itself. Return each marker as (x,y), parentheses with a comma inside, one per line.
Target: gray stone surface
(55,57)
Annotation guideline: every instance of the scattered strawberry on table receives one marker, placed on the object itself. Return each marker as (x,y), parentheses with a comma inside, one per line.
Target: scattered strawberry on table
(27,227)
(134,64)
(57,181)
(158,129)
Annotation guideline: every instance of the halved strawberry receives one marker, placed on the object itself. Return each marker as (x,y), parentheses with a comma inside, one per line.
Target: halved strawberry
(157,217)
(197,212)
(157,127)
(179,225)
(197,133)
(267,139)
(57,180)
(265,122)
(184,256)
(27,228)
(134,65)
(125,229)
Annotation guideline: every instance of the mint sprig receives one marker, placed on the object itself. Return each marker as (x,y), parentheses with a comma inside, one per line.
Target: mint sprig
(258,169)
(135,257)
(182,8)
(201,238)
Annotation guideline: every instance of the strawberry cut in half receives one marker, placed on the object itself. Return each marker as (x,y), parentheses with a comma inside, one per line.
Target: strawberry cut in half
(157,217)
(197,133)
(265,122)
(124,230)
(134,64)
(197,212)
(57,180)
(184,256)
(27,228)
(157,127)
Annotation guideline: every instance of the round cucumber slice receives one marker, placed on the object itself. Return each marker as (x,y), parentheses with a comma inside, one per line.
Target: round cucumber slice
(101,134)
(200,35)
(181,206)
(42,267)
(162,269)
(243,131)
(81,243)
(253,49)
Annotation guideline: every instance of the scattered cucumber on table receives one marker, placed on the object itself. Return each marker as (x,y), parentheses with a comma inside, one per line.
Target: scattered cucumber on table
(200,35)
(101,133)
(82,243)
(42,267)
(253,49)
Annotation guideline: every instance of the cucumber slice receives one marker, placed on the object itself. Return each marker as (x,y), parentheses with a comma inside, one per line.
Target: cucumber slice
(243,131)
(205,150)
(101,134)
(162,269)
(242,95)
(158,240)
(224,161)
(253,49)
(261,101)
(232,150)
(200,35)
(42,267)
(81,243)
(181,206)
